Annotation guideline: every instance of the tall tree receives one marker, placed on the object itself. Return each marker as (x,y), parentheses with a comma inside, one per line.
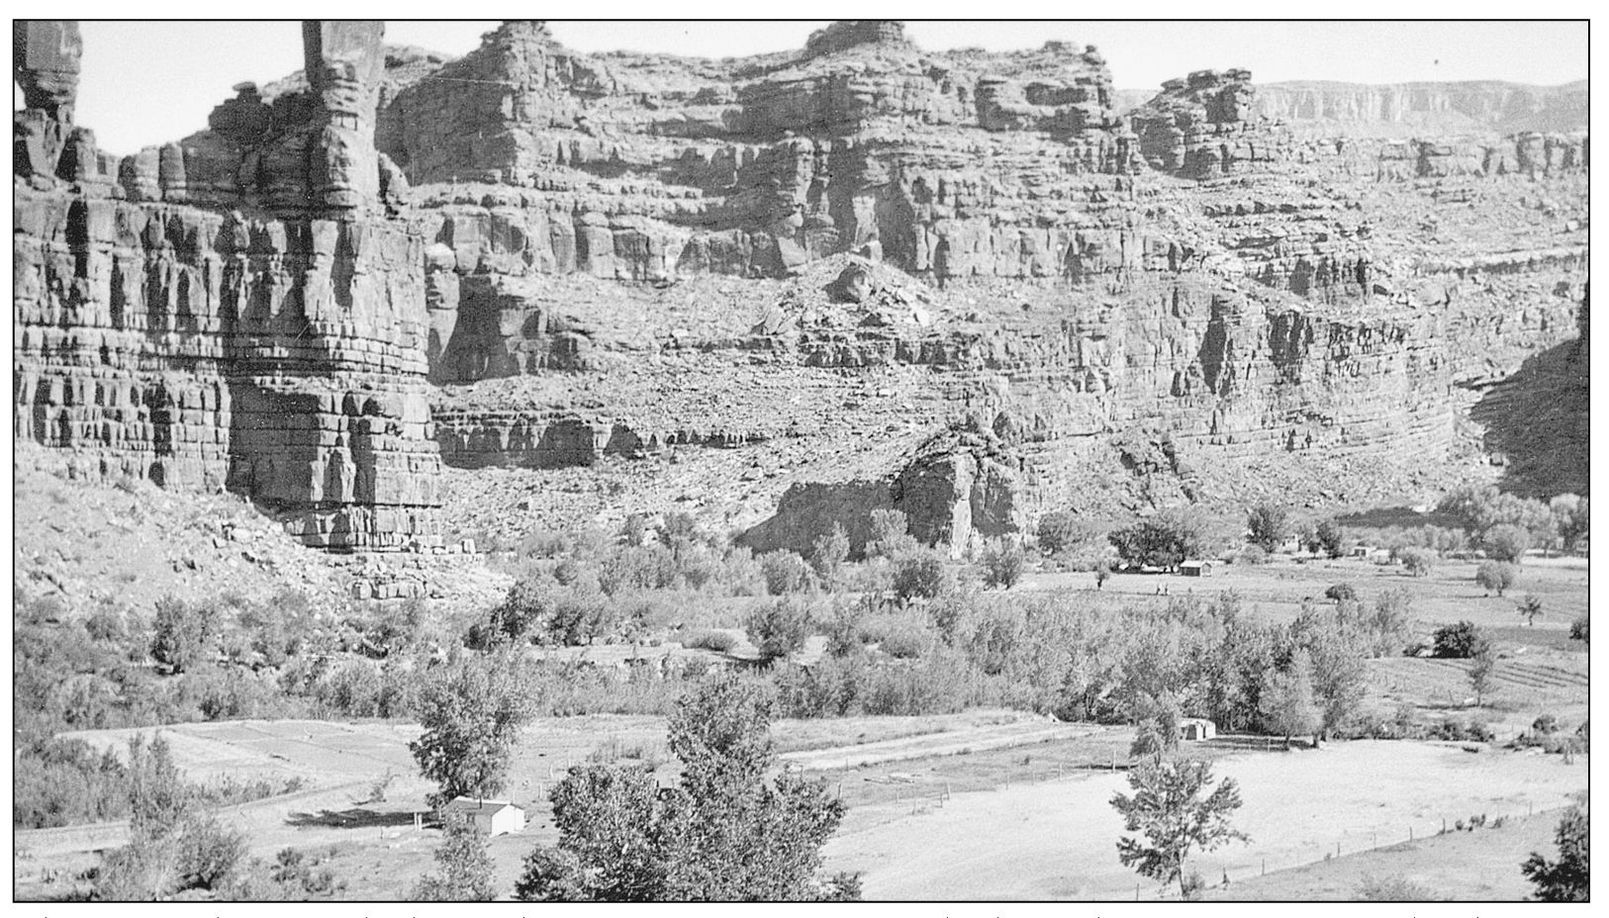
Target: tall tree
(1482,669)
(727,832)
(1340,678)
(1269,525)
(472,712)
(1174,814)
(1287,704)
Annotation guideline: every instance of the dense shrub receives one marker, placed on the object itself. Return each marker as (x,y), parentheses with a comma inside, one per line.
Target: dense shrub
(1460,731)
(59,782)
(921,574)
(1418,561)
(1164,540)
(1341,592)
(1461,641)
(1496,575)
(890,534)
(778,629)
(183,634)
(905,639)
(1392,889)
(1578,629)
(786,572)
(1062,531)
(1003,564)
(718,641)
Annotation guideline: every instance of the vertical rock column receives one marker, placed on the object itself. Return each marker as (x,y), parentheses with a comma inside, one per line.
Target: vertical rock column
(45,64)
(332,423)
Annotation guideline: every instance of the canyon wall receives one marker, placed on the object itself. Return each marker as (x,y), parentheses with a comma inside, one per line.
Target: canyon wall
(236,310)
(802,285)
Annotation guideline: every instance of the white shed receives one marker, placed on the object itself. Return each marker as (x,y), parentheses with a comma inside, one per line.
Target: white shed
(1196,728)
(491,817)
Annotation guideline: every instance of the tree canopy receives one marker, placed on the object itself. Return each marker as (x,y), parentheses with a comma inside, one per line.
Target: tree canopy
(726,832)
(1174,814)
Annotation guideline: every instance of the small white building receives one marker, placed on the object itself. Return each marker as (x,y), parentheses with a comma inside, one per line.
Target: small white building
(1196,728)
(491,817)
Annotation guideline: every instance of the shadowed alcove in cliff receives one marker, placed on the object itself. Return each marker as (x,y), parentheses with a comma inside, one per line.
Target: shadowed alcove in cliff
(1537,421)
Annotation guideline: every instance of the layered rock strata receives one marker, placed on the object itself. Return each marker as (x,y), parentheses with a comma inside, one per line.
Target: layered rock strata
(789,289)
(242,316)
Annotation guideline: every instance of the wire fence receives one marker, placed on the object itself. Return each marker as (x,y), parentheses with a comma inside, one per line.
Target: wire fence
(1219,870)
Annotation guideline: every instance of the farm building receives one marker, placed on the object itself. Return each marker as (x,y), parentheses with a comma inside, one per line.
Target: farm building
(1196,728)
(492,817)
(1195,568)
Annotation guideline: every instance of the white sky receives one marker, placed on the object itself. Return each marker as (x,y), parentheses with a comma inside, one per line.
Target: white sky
(148,82)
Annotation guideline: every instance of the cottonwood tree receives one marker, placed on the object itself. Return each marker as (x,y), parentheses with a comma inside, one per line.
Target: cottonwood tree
(465,867)
(1482,669)
(1496,575)
(1287,704)
(1175,814)
(1269,524)
(472,712)
(727,832)
(1340,678)
(1330,537)
(1566,879)
(1507,542)
(1164,540)
(828,553)
(1417,560)
(1570,519)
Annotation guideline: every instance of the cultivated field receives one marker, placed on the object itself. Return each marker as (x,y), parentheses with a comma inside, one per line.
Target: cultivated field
(1056,839)
(994,803)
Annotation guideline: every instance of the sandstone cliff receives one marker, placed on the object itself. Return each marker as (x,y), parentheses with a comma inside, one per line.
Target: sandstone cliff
(236,311)
(782,291)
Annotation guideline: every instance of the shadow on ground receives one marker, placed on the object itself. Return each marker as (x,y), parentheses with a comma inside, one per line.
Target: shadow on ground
(355,818)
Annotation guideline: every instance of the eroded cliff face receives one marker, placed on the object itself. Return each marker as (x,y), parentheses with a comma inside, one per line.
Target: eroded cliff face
(804,255)
(784,291)
(1424,109)
(243,315)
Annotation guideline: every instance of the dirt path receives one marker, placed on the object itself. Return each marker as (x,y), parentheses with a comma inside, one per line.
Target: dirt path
(974,739)
(1056,839)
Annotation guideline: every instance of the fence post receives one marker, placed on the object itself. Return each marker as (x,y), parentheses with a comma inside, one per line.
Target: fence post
(1265,866)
